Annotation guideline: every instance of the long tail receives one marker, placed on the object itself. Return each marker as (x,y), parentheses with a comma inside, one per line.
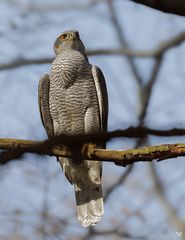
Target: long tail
(86,178)
(89,202)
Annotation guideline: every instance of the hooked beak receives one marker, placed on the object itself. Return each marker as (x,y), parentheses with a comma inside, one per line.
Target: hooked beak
(75,35)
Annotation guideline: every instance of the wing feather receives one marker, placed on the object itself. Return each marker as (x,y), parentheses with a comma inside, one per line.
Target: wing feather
(102,95)
(43,94)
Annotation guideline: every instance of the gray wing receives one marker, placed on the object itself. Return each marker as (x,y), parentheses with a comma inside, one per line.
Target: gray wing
(88,193)
(102,95)
(43,94)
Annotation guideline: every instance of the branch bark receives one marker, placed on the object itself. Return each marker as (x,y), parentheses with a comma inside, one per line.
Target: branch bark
(168,6)
(89,152)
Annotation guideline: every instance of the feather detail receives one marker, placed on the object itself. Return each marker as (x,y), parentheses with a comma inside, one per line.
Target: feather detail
(89,202)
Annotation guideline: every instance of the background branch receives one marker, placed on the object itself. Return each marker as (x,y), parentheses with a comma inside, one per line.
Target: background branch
(169,6)
(125,51)
(121,37)
(64,7)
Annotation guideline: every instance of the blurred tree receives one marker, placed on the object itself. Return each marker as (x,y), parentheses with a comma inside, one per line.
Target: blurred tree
(146,90)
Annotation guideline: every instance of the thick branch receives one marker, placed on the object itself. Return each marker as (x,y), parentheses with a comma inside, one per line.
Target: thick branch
(120,157)
(17,148)
(168,6)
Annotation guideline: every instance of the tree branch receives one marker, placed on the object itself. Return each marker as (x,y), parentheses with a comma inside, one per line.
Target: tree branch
(64,7)
(122,39)
(153,53)
(88,151)
(168,6)
(131,132)
(171,6)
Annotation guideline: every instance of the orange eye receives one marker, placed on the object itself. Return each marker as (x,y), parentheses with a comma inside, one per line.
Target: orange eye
(63,36)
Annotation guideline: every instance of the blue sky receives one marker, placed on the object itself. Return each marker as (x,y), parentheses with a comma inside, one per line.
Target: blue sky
(28,30)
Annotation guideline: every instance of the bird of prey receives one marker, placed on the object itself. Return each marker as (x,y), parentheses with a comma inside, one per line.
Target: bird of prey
(73,100)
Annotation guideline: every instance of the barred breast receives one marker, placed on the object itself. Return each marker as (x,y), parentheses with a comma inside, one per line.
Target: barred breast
(72,92)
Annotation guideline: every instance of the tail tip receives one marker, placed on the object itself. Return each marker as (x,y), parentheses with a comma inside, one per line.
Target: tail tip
(87,222)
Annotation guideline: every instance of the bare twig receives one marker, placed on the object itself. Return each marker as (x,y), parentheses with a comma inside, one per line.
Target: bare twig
(160,50)
(23,62)
(153,53)
(148,89)
(64,7)
(122,39)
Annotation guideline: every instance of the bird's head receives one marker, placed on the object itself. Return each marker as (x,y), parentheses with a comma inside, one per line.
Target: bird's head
(67,41)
